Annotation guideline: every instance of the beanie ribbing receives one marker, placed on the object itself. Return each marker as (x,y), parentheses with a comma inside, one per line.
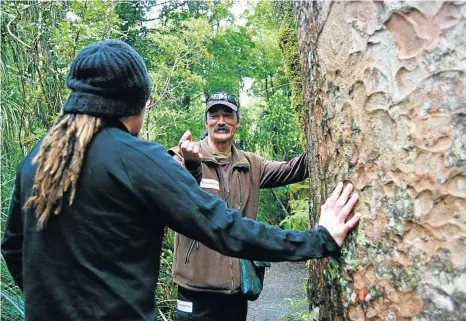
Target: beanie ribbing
(107,78)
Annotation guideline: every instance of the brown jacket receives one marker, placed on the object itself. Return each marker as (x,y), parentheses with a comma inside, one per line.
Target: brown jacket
(197,267)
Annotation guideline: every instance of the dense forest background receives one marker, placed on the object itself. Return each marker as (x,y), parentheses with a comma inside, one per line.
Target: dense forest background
(373,90)
(191,48)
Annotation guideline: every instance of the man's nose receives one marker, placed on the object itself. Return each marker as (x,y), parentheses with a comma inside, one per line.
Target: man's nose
(221,120)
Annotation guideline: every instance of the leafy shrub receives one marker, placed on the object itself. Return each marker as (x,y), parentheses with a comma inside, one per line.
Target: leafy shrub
(299,207)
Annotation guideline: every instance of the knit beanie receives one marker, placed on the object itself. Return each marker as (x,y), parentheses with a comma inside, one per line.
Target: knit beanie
(107,78)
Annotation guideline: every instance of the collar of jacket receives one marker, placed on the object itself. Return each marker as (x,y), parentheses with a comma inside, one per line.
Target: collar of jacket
(237,156)
(115,122)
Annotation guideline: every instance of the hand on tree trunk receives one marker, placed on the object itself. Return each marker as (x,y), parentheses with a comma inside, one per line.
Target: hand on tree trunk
(335,211)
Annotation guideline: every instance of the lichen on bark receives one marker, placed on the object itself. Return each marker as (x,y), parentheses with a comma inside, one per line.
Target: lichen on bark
(384,90)
(288,43)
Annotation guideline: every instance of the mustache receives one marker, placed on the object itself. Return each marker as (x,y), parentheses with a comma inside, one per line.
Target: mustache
(225,128)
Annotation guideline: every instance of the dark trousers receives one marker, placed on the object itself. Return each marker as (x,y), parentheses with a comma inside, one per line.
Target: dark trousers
(208,306)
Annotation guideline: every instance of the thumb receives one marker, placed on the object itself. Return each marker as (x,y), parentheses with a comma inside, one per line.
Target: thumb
(186,136)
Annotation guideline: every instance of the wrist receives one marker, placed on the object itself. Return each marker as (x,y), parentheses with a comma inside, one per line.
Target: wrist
(331,243)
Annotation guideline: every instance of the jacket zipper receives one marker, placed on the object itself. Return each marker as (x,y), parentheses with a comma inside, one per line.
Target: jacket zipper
(232,275)
(190,250)
(240,195)
(228,205)
(240,203)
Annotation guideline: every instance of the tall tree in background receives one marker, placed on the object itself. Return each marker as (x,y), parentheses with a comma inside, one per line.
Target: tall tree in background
(384,91)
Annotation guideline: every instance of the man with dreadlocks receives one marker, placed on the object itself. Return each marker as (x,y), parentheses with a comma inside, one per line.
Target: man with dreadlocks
(91,201)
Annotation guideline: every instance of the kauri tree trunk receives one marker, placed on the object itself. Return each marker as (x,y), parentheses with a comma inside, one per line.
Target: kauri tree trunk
(384,94)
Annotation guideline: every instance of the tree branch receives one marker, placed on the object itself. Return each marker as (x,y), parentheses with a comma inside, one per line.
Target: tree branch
(13,35)
(280,203)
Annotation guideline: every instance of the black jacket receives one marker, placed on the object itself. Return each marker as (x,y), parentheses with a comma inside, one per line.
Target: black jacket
(99,258)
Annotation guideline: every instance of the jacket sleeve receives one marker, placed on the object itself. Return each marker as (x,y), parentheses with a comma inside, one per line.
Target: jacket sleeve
(194,167)
(275,173)
(12,243)
(172,195)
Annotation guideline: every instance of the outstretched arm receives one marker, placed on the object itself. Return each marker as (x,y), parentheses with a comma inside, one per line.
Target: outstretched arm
(276,173)
(170,193)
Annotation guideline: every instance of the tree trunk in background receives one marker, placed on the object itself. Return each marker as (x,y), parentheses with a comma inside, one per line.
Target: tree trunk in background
(385,102)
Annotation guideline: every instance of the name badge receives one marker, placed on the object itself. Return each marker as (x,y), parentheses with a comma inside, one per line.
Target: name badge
(184,306)
(210,183)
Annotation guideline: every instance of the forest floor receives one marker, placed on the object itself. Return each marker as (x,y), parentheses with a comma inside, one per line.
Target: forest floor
(283,284)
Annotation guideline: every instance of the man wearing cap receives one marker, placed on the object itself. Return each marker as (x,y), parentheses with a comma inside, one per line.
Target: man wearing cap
(209,282)
(91,201)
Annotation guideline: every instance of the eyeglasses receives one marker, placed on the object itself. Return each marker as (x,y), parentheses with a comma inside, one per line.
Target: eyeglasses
(225,97)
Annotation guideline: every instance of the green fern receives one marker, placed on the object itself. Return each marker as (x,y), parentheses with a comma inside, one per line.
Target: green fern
(299,218)
(12,301)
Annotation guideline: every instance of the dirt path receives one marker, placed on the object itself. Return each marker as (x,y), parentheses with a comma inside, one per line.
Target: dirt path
(282,280)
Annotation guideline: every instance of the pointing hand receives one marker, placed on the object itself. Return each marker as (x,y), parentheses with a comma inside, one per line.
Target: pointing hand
(189,149)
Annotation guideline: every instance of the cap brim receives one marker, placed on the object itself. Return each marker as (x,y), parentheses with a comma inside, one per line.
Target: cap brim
(220,102)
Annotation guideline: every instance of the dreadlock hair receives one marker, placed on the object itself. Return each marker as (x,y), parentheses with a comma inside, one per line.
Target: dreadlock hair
(60,159)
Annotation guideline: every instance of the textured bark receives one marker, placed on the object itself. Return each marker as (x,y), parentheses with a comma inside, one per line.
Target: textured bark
(384,94)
